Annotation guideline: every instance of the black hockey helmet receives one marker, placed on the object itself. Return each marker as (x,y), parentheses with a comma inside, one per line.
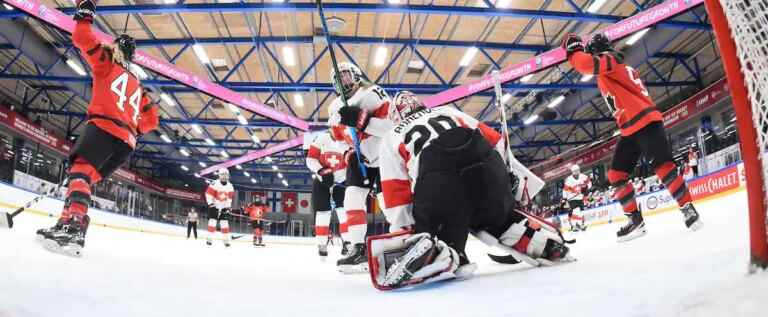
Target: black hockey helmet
(127,45)
(598,43)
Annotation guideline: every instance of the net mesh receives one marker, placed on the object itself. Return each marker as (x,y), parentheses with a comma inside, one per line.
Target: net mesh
(748,21)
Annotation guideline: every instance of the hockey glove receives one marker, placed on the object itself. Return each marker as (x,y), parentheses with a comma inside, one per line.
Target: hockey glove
(354,117)
(86,9)
(572,43)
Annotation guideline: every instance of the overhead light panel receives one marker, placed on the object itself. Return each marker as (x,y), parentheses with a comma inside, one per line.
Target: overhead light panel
(201,54)
(76,67)
(7,7)
(185,168)
(253,181)
(393,1)
(285,183)
(202,164)
(531,119)
(167,99)
(166,138)
(197,129)
(197,175)
(637,36)
(224,154)
(526,78)
(587,78)
(555,102)
(506,97)
(268,159)
(239,167)
(289,57)
(502,3)
(247,174)
(210,142)
(468,56)
(280,175)
(255,138)
(274,167)
(381,56)
(234,109)
(184,152)
(298,100)
(242,119)
(595,6)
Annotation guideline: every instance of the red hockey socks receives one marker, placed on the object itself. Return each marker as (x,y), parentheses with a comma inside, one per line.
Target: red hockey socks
(667,173)
(82,176)
(625,192)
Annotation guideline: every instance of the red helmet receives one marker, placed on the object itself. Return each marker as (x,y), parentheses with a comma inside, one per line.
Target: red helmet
(406,103)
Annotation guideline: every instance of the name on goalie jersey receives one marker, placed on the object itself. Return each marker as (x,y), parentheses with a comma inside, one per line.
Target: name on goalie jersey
(411,118)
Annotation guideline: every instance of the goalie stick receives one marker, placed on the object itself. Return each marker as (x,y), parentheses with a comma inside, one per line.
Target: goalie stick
(351,130)
(6,219)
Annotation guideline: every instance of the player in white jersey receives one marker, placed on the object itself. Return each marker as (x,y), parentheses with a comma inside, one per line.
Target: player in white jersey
(368,113)
(575,187)
(219,196)
(326,160)
(442,178)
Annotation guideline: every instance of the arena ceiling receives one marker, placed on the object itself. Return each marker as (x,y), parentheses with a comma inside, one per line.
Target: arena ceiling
(275,52)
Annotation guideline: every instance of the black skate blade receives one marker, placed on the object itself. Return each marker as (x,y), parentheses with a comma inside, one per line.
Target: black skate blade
(633,235)
(503,259)
(6,221)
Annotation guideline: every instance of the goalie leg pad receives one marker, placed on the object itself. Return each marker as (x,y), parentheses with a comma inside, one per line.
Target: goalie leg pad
(531,238)
(400,259)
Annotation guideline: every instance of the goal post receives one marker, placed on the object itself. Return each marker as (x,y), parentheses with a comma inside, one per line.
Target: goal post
(741,30)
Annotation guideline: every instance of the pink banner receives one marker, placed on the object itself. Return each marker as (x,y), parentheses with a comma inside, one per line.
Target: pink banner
(696,104)
(253,155)
(683,111)
(64,22)
(621,29)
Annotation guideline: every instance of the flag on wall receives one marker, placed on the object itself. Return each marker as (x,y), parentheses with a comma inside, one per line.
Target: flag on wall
(305,207)
(256,195)
(289,202)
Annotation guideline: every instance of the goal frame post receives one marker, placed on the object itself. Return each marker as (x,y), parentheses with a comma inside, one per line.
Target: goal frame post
(750,149)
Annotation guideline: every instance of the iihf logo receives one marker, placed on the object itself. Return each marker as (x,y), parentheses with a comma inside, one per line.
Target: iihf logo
(538,61)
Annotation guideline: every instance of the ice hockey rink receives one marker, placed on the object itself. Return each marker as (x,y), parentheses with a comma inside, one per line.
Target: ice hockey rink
(669,272)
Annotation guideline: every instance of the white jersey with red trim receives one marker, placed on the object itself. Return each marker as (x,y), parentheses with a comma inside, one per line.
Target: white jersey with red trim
(220,195)
(376,102)
(326,155)
(574,186)
(400,152)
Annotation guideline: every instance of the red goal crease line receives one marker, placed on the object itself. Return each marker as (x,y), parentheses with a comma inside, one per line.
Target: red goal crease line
(65,23)
(642,20)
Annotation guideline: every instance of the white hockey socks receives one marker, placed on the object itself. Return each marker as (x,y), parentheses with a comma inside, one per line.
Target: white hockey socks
(343,230)
(225,230)
(357,223)
(322,221)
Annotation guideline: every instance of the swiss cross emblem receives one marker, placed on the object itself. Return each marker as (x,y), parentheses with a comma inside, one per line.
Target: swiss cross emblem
(289,203)
(222,196)
(334,160)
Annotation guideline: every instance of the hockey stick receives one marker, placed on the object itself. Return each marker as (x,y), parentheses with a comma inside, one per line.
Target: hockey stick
(502,116)
(6,219)
(351,130)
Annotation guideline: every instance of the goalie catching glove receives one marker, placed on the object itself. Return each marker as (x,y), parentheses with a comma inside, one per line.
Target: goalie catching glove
(401,259)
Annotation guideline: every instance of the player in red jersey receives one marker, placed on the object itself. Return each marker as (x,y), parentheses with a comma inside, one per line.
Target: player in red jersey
(256,212)
(641,126)
(117,115)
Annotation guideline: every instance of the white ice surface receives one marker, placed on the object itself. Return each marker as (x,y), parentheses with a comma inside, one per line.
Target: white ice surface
(669,272)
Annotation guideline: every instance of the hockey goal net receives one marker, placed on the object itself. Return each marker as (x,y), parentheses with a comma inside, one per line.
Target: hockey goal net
(741,29)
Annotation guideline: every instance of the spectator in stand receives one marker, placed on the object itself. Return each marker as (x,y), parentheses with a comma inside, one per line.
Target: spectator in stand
(192,222)
(693,161)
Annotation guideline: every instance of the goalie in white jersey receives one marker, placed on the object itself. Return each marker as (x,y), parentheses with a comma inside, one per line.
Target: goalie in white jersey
(442,178)
(368,113)
(575,187)
(326,159)
(219,197)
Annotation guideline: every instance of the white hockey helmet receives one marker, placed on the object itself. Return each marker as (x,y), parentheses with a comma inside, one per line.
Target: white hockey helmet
(223,174)
(406,103)
(575,169)
(351,77)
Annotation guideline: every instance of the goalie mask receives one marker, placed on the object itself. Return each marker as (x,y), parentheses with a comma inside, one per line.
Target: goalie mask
(598,43)
(350,78)
(406,103)
(223,175)
(127,45)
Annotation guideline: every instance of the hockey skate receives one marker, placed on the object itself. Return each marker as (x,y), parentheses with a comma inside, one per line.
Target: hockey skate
(634,229)
(260,242)
(67,236)
(356,260)
(208,242)
(344,248)
(691,216)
